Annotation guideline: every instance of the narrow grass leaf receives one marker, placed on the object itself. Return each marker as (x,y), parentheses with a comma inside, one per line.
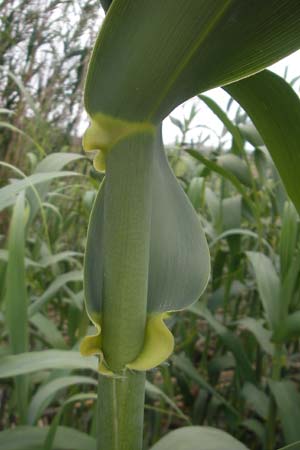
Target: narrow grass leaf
(288,403)
(16,297)
(55,286)
(268,285)
(47,392)
(184,364)
(13,365)
(49,331)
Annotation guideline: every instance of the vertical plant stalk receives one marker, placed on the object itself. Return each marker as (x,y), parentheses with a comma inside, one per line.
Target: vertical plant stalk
(276,376)
(16,300)
(120,411)
(127,220)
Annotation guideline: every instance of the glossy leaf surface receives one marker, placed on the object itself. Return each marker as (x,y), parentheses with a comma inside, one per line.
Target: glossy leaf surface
(196,45)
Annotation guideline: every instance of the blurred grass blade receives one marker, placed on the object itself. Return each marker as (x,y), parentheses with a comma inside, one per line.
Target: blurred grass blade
(33,438)
(68,255)
(294,446)
(47,392)
(185,365)
(231,341)
(237,167)
(262,335)
(49,331)
(218,168)
(268,284)
(288,237)
(153,390)
(51,163)
(198,438)
(220,42)
(13,365)
(49,442)
(238,142)
(16,298)
(17,130)
(59,282)
(256,399)
(8,193)
(274,109)
(288,403)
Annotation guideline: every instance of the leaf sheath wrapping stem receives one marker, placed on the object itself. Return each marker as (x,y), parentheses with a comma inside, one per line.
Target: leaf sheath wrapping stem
(127,220)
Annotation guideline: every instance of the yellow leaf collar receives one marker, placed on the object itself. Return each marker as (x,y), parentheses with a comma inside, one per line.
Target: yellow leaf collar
(105,131)
(158,345)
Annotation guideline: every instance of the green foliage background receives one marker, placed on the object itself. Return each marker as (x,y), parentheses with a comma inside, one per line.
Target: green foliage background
(235,367)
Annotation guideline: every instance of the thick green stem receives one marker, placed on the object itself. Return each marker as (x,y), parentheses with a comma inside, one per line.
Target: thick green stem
(121,412)
(127,220)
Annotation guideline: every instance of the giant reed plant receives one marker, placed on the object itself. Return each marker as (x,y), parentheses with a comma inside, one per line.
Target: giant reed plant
(146,253)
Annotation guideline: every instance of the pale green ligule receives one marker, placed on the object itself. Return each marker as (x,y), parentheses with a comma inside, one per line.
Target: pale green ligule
(104,132)
(91,345)
(158,346)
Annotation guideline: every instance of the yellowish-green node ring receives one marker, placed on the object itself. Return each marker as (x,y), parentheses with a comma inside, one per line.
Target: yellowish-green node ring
(104,133)
(158,346)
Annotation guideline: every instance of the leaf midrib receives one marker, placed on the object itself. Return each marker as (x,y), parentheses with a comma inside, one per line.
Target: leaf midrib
(200,39)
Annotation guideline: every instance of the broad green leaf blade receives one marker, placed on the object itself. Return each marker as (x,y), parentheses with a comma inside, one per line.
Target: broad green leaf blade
(16,297)
(140,75)
(33,438)
(288,403)
(177,247)
(45,394)
(13,365)
(274,108)
(198,438)
(268,284)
